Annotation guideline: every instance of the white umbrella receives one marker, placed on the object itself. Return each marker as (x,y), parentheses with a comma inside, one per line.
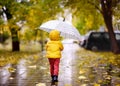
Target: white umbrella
(66,30)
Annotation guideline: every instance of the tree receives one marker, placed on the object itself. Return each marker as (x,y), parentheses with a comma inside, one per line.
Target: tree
(23,12)
(107,12)
(8,9)
(104,7)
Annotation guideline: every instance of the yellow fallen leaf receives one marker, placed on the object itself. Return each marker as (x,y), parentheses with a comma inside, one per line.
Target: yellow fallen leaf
(96,84)
(118,85)
(32,66)
(41,84)
(100,81)
(35,57)
(81,71)
(67,85)
(83,85)
(11,78)
(81,77)
(11,69)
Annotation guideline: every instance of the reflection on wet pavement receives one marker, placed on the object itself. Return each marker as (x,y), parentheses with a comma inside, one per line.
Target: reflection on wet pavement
(67,69)
(78,67)
(26,73)
(4,74)
(35,72)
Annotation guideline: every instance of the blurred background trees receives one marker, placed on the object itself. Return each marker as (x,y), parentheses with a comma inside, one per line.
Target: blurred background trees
(96,13)
(16,15)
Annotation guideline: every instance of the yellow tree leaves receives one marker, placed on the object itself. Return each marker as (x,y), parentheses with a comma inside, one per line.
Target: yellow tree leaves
(89,21)
(34,17)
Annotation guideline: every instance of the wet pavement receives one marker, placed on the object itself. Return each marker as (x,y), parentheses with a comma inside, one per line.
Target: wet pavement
(33,71)
(78,67)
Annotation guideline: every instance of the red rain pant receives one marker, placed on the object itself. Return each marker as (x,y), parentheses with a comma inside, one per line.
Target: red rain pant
(54,66)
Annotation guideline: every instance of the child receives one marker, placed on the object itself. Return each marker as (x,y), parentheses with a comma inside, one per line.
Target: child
(53,53)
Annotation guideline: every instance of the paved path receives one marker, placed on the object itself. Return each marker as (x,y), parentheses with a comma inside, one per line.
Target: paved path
(67,66)
(36,73)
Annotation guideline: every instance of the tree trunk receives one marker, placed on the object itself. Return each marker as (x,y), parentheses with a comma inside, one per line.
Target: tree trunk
(15,40)
(114,45)
(107,15)
(14,32)
(42,42)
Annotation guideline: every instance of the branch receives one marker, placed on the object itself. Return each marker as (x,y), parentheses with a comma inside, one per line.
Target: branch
(109,4)
(92,3)
(7,12)
(103,6)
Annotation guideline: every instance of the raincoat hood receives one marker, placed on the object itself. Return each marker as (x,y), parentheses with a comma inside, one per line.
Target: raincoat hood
(54,35)
(54,46)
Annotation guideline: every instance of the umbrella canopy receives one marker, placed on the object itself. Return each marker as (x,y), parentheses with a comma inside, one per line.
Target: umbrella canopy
(66,30)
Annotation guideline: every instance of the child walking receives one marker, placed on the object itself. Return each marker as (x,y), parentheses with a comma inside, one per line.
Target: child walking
(53,53)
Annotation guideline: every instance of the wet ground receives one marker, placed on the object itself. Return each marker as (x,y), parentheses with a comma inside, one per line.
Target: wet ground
(77,68)
(33,71)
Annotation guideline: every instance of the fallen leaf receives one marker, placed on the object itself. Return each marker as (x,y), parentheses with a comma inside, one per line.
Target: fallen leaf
(41,84)
(84,85)
(96,84)
(81,77)
(11,69)
(67,85)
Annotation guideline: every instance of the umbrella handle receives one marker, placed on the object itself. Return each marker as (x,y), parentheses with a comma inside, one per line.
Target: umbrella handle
(63,19)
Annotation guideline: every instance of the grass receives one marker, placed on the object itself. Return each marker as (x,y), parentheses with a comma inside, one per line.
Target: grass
(26,50)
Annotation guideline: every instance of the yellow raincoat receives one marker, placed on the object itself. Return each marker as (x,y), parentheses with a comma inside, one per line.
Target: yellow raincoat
(54,46)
